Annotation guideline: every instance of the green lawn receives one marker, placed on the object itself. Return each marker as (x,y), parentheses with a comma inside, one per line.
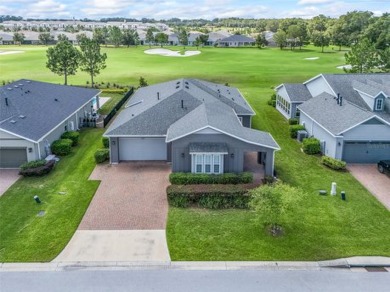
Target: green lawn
(24,236)
(324,227)
(109,105)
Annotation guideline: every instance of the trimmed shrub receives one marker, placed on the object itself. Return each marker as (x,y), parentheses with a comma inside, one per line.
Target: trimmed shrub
(72,135)
(61,147)
(39,170)
(106,142)
(272,102)
(294,130)
(311,146)
(293,121)
(184,178)
(112,90)
(332,163)
(102,155)
(33,164)
(209,196)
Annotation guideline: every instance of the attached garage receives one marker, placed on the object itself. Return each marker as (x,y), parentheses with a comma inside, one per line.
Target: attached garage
(365,152)
(148,148)
(12,157)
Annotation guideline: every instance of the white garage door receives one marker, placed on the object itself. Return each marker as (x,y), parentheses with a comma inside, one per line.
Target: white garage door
(142,149)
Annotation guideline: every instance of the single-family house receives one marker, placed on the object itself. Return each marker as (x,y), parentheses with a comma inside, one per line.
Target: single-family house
(33,114)
(236,40)
(348,113)
(198,126)
(215,36)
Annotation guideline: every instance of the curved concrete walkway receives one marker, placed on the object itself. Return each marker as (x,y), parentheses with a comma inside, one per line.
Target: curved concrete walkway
(127,217)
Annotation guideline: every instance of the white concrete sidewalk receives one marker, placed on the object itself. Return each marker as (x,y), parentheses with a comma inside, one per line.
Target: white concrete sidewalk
(116,246)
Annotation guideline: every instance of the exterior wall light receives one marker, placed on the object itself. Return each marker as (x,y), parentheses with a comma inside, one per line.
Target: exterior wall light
(232,155)
(182,155)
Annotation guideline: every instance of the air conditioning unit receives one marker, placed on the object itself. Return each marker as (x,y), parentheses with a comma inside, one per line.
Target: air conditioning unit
(302,134)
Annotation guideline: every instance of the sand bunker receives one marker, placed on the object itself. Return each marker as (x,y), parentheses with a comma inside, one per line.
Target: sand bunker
(10,52)
(169,53)
(344,67)
(312,58)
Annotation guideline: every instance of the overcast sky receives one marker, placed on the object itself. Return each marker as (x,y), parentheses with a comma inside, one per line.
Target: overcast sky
(208,9)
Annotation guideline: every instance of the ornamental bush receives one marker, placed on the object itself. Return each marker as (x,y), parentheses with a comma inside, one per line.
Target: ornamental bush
(293,121)
(33,164)
(294,130)
(311,146)
(209,196)
(61,147)
(184,178)
(102,155)
(332,163)
(105,142)
(37,168)
(72,135)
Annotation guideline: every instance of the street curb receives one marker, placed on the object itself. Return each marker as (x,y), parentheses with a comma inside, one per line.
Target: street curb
(346,263)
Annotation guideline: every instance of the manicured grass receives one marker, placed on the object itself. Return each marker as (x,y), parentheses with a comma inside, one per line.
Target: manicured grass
(24,236)
(109,105)
(324,227)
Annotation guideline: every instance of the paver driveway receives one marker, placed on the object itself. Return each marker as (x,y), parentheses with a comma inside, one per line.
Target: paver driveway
(126,218)
(7,178)
(131,196)
(374,181)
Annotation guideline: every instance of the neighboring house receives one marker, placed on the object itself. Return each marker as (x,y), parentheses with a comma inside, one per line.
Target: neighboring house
(236,40)
(215,37)
(348,113)
(6,38)
(33,114)
(198,126)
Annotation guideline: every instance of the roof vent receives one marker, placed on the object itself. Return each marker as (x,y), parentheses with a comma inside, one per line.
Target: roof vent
(12,121)
(22,116)
(55,99)
(158,95)
(186,82)
(178,82)
(177,87)
(341,100)
(6,101)
(9,88)
(187,87)
(28,81)
(15,86)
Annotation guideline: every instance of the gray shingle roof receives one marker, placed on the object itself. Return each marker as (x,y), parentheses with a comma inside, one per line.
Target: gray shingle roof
(297,92)
(336,119)
(343,84)
(42,105)
(238,38)
(220,117)
(179,107)
(152,109)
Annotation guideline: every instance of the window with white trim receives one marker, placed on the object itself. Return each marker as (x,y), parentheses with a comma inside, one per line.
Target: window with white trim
(379,104)
(207,163)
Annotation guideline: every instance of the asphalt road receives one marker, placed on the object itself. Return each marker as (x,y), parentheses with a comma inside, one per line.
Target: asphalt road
(179,280)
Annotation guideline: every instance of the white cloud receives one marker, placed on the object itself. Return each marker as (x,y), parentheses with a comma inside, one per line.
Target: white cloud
(101,7)
(313,2)
(307,12)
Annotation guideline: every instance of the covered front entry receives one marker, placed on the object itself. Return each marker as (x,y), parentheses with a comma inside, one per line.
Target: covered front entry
(365,152)
(145,148)
(208,157)
(12,157)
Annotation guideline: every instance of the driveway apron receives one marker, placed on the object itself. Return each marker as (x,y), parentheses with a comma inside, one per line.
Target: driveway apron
(377,183)
(7,178)
(126,219)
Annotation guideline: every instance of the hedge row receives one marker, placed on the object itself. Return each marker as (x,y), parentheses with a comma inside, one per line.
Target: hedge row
(102,155)
(311,146)
(39,170)
(332,163)
(61,147)
(184,178)
(72,135)
(33,164)
(293,121)
(294,130)
(209,196)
